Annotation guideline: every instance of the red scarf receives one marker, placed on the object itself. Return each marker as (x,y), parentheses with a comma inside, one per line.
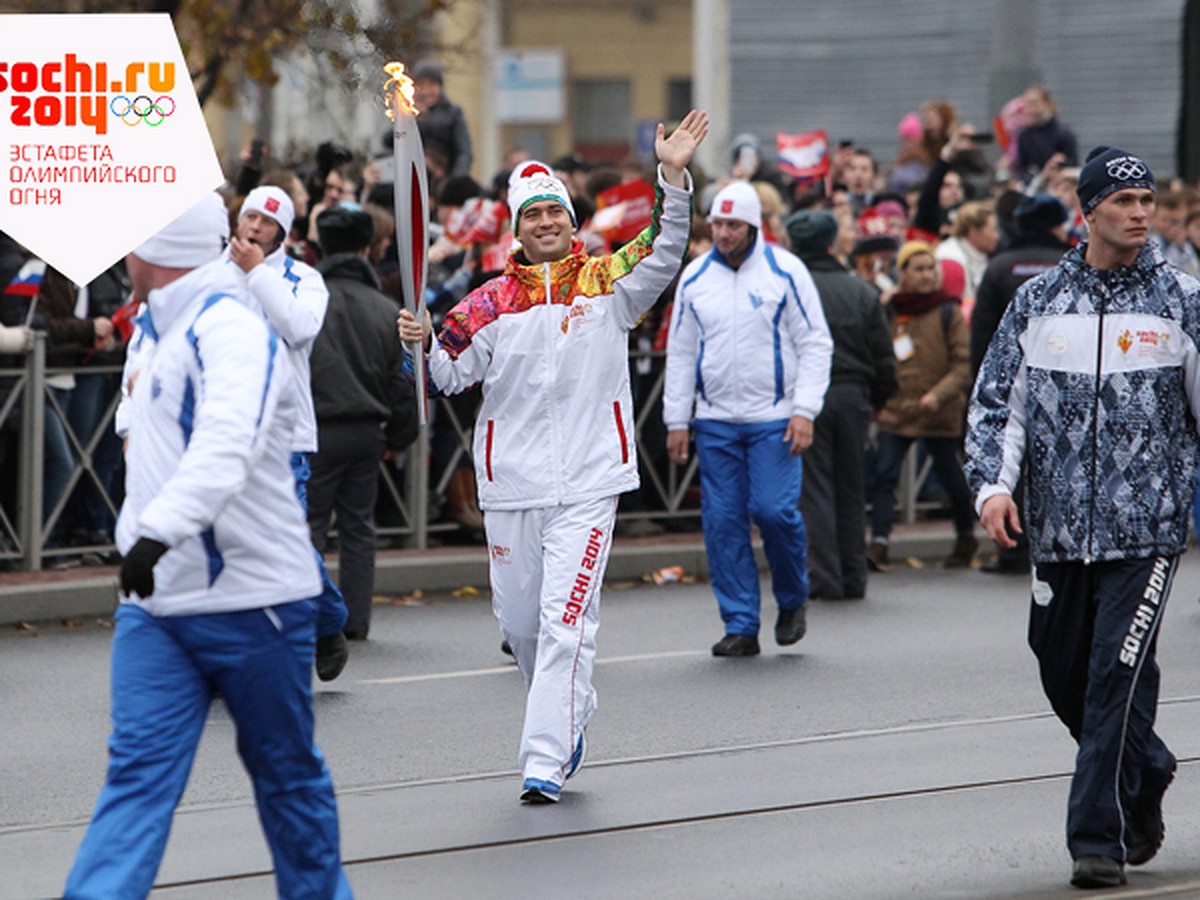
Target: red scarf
(909,304)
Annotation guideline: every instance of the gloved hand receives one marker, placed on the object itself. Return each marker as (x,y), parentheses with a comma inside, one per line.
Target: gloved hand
(137,567)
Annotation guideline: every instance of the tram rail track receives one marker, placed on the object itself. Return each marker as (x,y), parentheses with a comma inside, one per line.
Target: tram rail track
(750,811)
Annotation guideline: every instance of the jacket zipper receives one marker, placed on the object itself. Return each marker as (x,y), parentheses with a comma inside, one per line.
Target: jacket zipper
(1091,534)
(557,442)
(736,337)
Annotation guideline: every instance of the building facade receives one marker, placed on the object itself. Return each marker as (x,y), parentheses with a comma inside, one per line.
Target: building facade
(599,74)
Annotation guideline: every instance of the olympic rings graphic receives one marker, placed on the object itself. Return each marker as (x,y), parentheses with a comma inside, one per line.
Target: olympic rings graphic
(1127,168)
(142,109)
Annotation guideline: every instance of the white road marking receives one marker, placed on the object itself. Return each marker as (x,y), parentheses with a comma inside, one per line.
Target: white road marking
(497,670)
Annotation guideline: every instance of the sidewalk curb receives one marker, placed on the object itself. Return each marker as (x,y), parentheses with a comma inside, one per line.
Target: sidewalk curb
(93,593)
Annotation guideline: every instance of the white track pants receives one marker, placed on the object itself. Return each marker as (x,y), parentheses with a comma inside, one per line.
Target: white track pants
(547,566)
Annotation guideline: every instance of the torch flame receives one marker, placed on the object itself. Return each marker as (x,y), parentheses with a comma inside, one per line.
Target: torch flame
(398,91)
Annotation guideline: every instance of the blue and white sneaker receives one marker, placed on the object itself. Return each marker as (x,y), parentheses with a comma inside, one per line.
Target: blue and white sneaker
(536,790)
(577,757)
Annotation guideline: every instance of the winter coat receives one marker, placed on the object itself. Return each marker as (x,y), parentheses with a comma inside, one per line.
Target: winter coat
(207,465)
(862,343)
(1037,143)
(1090,384)
(293,297)
(357,362)
(748,344)
(933,353)
(444,126)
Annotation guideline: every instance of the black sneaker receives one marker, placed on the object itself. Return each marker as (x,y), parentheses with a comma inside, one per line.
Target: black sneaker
(1006,567)
(790,626)
(1146,828)
(332,653)
(1097,872)
(736,645)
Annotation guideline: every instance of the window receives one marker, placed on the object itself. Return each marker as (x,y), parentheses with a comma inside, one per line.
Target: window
(601,117)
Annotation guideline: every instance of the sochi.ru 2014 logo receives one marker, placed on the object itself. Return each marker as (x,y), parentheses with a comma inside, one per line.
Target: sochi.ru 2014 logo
(72,92)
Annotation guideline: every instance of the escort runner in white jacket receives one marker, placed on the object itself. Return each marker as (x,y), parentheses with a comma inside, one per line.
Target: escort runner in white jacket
(217,576)
(293,297)
(747,344)
(290,293)
(207,461)
(748,356)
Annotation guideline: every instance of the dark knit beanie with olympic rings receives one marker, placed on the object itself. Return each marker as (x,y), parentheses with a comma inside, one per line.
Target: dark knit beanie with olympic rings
(1108,170)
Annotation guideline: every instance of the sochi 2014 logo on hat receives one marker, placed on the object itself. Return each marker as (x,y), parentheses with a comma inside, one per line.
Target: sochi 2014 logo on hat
(726,207)
(102,134)
(271,205)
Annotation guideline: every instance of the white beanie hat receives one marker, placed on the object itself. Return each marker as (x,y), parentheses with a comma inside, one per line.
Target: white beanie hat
(737,200)
(531,181)
(272,202)
(196,237)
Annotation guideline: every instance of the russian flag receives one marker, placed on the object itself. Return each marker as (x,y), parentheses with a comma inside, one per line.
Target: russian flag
(27,281)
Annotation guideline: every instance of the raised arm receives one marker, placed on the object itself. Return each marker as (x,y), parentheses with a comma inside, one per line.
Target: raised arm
(675,152)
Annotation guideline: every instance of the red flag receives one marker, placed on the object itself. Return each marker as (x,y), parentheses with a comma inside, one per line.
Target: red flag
(623,211)
(478,221)
(803,156)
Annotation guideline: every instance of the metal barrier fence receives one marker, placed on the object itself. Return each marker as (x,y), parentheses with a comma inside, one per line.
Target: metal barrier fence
(30,534)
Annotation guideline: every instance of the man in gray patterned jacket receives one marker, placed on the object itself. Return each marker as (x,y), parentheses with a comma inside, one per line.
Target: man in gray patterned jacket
(1091,384)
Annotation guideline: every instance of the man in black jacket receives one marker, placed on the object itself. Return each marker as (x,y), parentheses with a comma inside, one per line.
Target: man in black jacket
(441,123)
(862,377)
(1039,241)
(364,402)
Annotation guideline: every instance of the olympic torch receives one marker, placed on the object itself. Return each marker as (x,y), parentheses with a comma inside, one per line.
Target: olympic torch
(412,208)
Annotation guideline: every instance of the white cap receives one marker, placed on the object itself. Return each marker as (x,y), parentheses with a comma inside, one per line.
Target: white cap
(531,181)
(737,200)
(272,202)
(196,237)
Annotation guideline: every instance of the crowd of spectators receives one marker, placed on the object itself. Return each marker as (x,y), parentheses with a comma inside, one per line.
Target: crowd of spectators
(946,183)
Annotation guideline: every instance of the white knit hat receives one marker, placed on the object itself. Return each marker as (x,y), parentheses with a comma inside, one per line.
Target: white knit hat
(531,181)
(272,202)
(196,237)
(737,200)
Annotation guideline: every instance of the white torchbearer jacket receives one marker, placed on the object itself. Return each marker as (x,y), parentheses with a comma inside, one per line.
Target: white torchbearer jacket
(550,344)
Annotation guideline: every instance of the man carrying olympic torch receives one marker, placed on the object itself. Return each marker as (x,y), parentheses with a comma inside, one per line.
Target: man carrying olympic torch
(554,438)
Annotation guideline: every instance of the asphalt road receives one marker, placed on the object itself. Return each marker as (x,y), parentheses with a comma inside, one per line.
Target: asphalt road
(902,749)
